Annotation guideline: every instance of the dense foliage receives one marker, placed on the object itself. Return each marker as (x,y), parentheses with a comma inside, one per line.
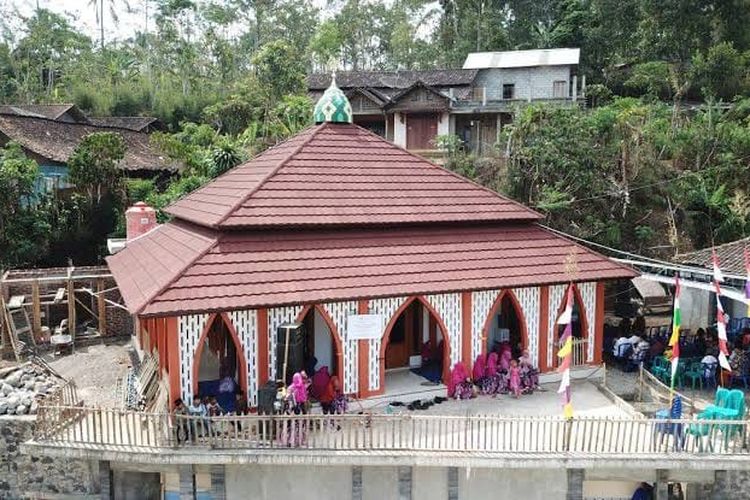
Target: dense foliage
(657,162)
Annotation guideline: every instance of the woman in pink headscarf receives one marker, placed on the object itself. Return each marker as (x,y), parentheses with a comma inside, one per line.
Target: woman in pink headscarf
(505,358)
(459,384)
(298,393)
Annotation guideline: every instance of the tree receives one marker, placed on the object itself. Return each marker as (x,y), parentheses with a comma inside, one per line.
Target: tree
(722,73)
(46,54)
(93,166)
(24,229)
(280,70)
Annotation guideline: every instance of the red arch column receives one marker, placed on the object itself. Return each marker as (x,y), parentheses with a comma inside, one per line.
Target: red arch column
(363,351)
(466,330)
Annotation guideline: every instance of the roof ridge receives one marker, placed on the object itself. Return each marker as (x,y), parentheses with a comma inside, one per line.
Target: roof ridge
(282,162)
(452,173)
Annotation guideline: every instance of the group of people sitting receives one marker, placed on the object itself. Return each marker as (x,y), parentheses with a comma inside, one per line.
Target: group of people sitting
(323,387)
(496,373)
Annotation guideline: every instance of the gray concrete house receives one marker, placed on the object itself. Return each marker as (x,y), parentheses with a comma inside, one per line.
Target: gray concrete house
(412,108)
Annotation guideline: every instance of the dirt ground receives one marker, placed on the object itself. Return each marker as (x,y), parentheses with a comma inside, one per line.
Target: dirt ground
(95,369)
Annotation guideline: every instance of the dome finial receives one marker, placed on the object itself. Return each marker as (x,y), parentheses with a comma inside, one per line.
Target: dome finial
(333,106)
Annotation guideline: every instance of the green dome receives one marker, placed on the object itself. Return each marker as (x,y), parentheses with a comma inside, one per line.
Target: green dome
(333,106)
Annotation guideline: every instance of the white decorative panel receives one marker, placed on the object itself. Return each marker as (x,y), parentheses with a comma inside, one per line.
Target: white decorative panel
(189,331)
(528,298)
(448,308)
(556,295)
(481,304)
(386,308)
(339,313)
(588,296)
(246,325)
(277,316)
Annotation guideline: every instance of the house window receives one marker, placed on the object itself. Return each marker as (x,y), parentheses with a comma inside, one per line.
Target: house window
(415,96)
(430,96)
(509,90)
(558,89)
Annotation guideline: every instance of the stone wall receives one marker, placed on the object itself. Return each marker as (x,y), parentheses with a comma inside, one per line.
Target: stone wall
(24,476)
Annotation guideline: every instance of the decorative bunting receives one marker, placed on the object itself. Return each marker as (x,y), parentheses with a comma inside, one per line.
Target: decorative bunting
(566,353)
(674,340)
(721,320)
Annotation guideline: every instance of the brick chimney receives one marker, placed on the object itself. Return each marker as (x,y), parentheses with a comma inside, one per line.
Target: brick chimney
(140,219)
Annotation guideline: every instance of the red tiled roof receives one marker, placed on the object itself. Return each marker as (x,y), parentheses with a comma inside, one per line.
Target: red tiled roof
(151,262)
(338,174)
(254,269)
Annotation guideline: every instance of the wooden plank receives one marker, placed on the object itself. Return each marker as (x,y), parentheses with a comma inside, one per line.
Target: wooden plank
(101,306)
(36,309)
(59,295)
(71,307)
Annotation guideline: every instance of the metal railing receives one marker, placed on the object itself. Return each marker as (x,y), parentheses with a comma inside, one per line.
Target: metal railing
(97,428)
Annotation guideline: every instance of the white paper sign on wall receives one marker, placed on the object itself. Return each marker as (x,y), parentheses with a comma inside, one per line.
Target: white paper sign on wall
(364,326)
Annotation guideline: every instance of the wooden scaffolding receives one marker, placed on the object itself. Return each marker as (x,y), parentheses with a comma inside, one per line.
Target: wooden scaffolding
(26,297)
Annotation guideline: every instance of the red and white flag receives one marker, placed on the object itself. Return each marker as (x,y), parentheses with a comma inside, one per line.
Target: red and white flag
(721,319)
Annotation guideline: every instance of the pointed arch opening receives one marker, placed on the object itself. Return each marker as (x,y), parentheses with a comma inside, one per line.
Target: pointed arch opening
(580,329)
(219,364)
(322,341)
(505,324)
(415,337)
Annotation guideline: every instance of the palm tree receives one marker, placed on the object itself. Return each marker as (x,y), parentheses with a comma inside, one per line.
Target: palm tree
(98,5)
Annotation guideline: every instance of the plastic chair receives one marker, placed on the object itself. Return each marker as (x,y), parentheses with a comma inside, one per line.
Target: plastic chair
(660,367)
(694,372)
(702,429)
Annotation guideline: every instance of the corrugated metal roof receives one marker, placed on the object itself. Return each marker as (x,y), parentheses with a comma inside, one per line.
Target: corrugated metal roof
(260,268)
(337,175)
(522,58)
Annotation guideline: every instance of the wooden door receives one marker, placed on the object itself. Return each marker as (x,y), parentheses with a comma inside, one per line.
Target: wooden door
(421,130)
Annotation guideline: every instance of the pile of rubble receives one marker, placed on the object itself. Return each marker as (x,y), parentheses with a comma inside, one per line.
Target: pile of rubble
(21,388)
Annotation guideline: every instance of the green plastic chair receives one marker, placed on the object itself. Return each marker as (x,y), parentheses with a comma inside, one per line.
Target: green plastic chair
(734,410)
(660,368)
(694,373)
(701,429)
